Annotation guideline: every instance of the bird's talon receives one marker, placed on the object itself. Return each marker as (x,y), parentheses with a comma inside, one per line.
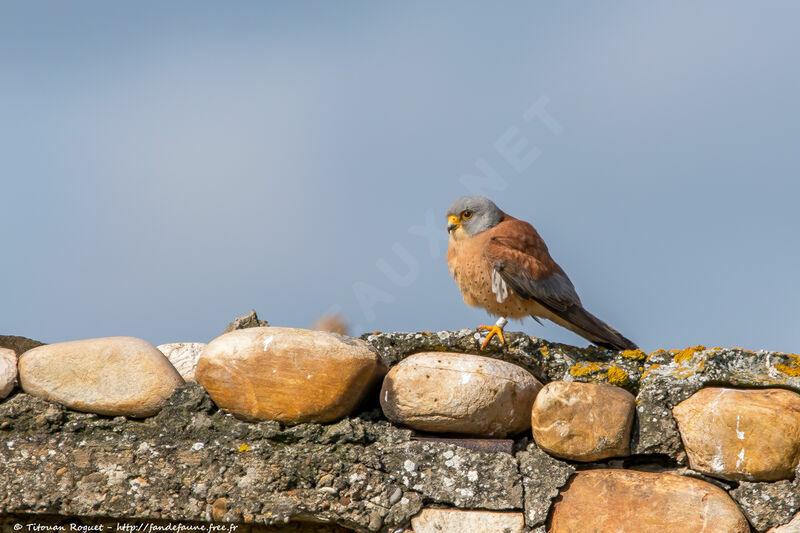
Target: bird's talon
(493,330)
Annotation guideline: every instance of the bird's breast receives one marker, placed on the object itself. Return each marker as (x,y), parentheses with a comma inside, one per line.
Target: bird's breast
(475,277)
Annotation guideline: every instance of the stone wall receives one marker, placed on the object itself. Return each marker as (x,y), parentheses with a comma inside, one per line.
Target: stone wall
(394,432)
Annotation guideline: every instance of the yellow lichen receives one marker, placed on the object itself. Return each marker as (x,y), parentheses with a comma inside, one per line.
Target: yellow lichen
(439,348)
(244,448)
(589,350)
(584,369)
(617,376)
(790,370)
(633,354)
(544,351)
(687,353)
(650,369)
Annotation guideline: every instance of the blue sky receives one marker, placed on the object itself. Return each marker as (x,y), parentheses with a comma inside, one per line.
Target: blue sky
(168,166)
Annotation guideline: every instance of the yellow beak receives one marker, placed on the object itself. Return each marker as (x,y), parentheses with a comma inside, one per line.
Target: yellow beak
(453,222)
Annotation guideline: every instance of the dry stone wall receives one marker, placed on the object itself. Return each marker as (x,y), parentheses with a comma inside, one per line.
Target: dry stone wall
(292,430)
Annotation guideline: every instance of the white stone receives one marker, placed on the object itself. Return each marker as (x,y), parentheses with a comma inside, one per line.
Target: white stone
(183,356)
(459,393)
(8,371)
(458,521)
(109,376)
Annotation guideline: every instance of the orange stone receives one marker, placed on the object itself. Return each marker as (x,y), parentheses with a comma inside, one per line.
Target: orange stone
(628,501)
(286,374)
(741,434)
(583,421)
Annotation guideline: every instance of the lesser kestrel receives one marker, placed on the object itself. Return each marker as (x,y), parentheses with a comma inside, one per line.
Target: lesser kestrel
(501,263)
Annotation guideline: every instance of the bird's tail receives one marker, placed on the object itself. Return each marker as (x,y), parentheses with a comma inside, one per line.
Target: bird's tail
(591,328)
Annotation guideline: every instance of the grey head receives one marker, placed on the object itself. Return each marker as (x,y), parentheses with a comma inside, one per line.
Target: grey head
(473,213)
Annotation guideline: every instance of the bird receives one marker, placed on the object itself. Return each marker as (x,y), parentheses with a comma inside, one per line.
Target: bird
(501,264)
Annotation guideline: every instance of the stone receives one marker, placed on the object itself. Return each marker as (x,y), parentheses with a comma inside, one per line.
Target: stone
(583,421)
(8,371)
(542,476)
(790,527)
(288,375)
(481,445)
(547,361)
(768,504)
(114,376)
(671,377)
(452,475)
(660,380)
(458,393)
(632,501)
(459,521)
(183,356)
(250,320)
(20,345)
(741,434)
(361,473)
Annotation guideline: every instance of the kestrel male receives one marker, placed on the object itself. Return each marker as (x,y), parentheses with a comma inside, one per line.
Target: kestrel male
(501,263)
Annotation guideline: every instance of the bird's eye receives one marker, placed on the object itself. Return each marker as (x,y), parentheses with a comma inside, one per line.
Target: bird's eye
(466,214)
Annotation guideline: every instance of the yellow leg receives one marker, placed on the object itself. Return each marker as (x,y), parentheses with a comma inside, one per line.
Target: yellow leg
(497,330)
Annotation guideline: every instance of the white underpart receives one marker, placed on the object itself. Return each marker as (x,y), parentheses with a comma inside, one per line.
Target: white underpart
(499,287)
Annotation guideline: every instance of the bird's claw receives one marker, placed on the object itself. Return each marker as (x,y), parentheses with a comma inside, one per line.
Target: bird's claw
(493,330)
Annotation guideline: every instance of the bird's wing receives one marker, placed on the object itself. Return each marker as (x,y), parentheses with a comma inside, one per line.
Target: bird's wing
(520,256)
(517,253)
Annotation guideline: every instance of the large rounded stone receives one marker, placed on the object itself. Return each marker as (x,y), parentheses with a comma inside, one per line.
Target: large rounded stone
(109,376)
(289,375)
(628,501)
(583,421)
(737,434)
(459,393)
(183,356)
(8,371)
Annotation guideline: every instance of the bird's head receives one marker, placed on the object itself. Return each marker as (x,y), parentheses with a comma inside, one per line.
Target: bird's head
(472,215)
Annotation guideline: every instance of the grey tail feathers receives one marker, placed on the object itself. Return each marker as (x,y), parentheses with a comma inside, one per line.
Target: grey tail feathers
(591,328)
